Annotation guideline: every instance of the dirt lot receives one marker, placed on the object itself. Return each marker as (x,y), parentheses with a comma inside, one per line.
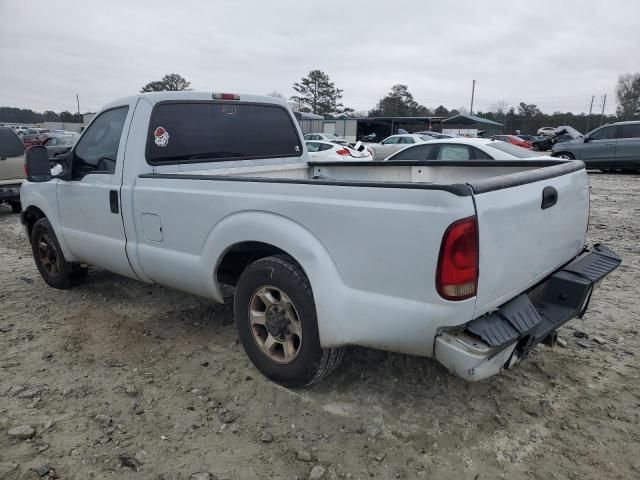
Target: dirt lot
(119,378)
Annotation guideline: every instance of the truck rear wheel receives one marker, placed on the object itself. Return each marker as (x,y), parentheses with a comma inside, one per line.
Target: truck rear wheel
(276,319)
(53,267)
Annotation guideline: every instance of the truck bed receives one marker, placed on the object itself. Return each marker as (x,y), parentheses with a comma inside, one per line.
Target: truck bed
(458,177)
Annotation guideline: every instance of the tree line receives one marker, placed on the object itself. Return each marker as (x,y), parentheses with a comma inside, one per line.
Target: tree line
(317,94)
(26,115)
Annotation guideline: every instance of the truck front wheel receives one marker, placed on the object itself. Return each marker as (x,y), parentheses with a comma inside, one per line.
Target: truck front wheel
(276,319)
(53,267)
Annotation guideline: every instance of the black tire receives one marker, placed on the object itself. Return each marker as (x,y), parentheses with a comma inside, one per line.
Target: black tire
(16,207)
(312,362)
(565,155)
(47,254)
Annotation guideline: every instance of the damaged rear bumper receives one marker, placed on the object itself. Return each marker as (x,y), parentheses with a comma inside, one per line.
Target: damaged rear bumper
(500,339)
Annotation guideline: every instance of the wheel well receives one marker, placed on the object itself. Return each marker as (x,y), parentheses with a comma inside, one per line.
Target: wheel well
(31,216)
(236,259)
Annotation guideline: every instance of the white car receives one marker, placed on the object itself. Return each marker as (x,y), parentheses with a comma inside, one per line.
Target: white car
(394,143)
(466,149)
(325,137)
(334,152)
(546,131)
(468,264)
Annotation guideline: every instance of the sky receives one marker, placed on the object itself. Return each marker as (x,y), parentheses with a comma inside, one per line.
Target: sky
(556,54)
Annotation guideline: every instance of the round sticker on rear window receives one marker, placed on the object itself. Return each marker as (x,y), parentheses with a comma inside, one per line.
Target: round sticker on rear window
(161,137)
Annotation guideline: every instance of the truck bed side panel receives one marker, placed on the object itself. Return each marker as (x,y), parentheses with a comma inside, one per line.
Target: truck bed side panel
(382,243)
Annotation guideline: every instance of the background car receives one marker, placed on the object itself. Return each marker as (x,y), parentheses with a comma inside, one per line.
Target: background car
(330,151)
(33,136)
(546,131)
(59,143)
(610,147)
(392,144)
(561,134)
(11,168)
(325,137)
(435,134)
(465,149)
(529,138)
(514,139)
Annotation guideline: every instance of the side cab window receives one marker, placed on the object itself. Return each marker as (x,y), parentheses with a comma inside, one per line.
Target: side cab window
(606,133)
(97,150)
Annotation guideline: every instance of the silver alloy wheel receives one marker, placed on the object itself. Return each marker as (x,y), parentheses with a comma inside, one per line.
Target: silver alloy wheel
(566,156)
(275,325)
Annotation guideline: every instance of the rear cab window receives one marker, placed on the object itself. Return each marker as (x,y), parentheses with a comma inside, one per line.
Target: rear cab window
(183,132)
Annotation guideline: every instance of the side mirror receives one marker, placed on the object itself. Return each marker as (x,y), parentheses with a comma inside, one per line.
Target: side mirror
(37,162)
(585,139)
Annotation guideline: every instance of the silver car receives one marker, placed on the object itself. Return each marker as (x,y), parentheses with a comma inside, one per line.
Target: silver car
(610,147)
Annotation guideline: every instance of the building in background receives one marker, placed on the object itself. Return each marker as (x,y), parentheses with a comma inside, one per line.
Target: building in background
(378,128)
(471,126)
(372,128)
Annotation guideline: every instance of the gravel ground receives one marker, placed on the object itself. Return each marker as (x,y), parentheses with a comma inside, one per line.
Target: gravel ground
(119,378)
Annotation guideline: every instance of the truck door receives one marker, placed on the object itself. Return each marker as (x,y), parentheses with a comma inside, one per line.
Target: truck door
(600,150)
(89,202)
(628,146)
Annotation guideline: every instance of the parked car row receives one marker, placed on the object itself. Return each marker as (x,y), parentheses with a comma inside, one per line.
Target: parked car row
(610,147)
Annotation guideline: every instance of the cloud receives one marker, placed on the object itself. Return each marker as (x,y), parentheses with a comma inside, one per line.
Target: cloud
(554,54)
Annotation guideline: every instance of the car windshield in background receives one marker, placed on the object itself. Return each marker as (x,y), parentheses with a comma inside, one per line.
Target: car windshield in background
(68,140)
(511,149)
(331,135)
(427,137)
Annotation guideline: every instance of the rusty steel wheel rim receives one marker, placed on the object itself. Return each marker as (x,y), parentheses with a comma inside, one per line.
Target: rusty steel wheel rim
(275,324)
(48,255)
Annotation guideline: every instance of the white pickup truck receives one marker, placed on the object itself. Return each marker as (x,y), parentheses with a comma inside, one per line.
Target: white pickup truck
(473,263)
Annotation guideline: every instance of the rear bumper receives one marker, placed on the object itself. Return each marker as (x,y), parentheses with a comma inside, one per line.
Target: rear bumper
(500,339)
(10,192)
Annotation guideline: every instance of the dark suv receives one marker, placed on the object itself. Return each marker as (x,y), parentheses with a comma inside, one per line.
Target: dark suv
(610,147)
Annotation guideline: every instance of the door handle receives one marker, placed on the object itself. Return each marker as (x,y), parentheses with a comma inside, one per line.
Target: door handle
(549,197)
(113,201)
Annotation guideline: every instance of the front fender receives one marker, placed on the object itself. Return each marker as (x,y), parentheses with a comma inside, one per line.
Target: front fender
(43,197)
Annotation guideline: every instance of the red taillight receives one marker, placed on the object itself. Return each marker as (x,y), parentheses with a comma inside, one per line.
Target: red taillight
(26,170)
(457,274)
(225,96)
(343,151)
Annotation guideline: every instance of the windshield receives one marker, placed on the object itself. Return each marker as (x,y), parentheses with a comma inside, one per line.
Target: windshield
(330,135)
(514,150)
(68,140)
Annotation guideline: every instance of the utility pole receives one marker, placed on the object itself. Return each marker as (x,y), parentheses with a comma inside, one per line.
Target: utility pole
(473,91)
(604,102)
(590,110)
(78,102)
